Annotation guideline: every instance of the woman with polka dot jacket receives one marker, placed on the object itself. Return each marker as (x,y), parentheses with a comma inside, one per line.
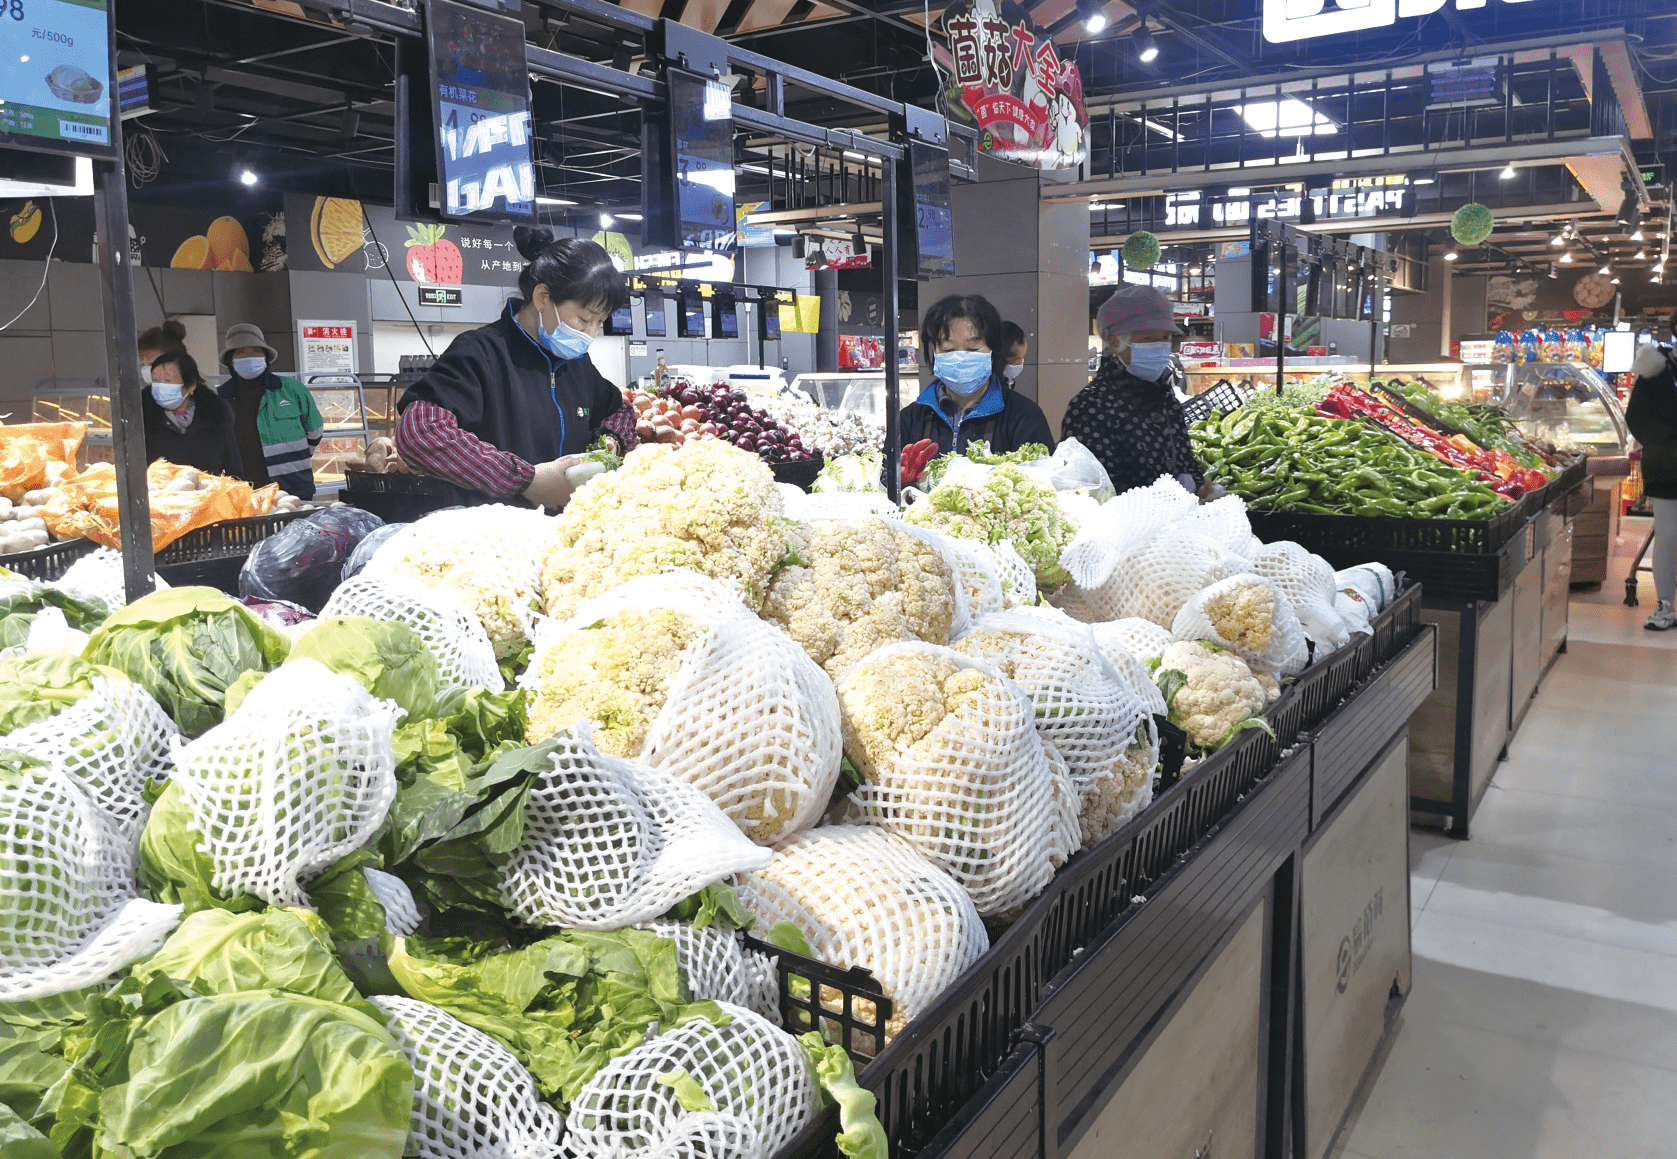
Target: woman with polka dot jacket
(1129,416)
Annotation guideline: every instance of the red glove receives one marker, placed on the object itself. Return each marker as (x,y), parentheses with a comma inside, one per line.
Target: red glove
(914,458)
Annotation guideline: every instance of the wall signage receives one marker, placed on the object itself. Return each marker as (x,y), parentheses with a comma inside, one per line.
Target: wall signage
(1003,75)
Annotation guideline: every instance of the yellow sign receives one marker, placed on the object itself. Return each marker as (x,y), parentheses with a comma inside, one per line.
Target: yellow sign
(809,313)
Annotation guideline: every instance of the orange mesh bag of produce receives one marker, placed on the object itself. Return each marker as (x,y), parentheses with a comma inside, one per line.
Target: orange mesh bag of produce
(29,450)
(182,499)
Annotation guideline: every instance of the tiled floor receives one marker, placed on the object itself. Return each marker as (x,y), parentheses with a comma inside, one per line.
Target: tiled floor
(1543,1019)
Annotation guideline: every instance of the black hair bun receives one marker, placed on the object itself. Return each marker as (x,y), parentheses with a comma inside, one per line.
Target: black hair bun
(175,329)
(531,240)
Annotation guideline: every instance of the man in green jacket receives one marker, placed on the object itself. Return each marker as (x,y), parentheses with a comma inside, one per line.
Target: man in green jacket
(274,418)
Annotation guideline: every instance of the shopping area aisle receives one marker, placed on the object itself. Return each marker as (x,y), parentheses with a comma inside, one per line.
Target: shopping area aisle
(1543,1019)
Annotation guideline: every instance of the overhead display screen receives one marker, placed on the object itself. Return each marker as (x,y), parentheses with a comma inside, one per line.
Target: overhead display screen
(655,327)
(480,98)
(702,116)
(934,227)
(55,76)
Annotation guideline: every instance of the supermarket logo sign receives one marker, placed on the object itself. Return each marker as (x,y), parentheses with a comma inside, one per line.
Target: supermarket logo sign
(1288,20)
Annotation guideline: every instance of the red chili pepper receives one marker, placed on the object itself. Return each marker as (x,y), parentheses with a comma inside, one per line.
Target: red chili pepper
(914,458)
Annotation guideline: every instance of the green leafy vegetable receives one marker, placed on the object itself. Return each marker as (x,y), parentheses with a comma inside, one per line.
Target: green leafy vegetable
(186,646)
(19,607)
(355,918)
(687,1090)
(172,867)
(386,658)
(217,952)
(33,688)
(861,1134)
(714,904)
(565,1005)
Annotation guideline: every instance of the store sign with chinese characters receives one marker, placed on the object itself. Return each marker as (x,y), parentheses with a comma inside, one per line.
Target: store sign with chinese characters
(326,350)
(1344,200)
(1289,20)
(1003,75)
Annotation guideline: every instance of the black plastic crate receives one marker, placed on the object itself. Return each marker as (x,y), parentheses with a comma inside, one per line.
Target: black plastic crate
(848,1006)
(1396,624)
(1317,690)
(49,562)
(1214,403)
(1369,539)
(394,506)
(398,484)
(229,538)
(801,473)
(944,1056)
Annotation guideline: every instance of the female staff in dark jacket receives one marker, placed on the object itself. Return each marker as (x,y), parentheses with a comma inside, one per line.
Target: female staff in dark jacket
(507,407)
(961,340)
(186,422)
(1652,418)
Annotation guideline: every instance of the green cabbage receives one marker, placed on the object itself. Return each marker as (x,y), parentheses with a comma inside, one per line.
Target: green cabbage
(858,472)
(33,688)
(172,867)
(186,646)
(19,607)
(386,658)
(217,952)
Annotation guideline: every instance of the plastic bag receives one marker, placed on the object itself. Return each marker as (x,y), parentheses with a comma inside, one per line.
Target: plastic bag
(304,561)
(364,550)
(85,505)
(1072,467)
(28,451)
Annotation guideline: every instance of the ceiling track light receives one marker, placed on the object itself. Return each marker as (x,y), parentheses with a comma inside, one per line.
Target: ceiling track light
(1093,16)
(1507,172)
(1605,269)
(1450,255)
(1146,47)
(1566,258)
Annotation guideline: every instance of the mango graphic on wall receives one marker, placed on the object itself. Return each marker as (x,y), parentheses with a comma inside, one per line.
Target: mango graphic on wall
(26,223)
(224,246)
(335,229)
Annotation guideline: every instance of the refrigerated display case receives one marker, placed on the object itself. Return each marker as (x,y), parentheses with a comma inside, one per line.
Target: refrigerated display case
(853,392)
(1566,404)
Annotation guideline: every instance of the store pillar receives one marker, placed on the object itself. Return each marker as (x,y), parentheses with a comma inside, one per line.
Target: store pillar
(1030,258)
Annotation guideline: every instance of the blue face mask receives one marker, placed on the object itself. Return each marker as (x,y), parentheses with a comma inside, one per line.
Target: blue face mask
(963,371)
(169,395)
(563,341)
(250,368)
(1149,360)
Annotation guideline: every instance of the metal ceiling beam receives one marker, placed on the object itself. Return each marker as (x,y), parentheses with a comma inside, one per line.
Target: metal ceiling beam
(1390,224)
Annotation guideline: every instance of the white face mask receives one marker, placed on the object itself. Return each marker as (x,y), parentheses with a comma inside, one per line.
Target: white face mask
(1149,360)
(1013,370)
(145,373)
(169,395)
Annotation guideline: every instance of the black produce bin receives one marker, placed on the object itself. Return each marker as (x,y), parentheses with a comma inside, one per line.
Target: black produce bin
(49,562)
(401,498)
(801,474)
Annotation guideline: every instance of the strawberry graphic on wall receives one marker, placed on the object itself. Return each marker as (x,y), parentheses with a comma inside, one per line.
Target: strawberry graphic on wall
(431,258)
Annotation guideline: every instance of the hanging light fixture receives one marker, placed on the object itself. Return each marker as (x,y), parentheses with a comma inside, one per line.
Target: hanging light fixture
(1093,16)
(1606,268)
(1641,256)
(1566,258)
(1559,238)
(1450,255)
(1507,172)
(1146,48)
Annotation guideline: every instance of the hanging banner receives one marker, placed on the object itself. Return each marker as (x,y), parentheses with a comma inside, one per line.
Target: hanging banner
(837,254)
(1002,74)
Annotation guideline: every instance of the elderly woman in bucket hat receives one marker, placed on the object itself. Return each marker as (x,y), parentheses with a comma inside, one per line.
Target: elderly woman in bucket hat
(1129,416)
(275,421)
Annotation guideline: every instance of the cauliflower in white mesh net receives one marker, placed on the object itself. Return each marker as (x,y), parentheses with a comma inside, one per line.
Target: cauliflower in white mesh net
(472,1098)
(1121,524)
(1153,581)
(1248,615)
(698,1091)
(300,776)
(1212,694)
(609,842)
(1307,581)
(863,897)
(863,583)
(489,557)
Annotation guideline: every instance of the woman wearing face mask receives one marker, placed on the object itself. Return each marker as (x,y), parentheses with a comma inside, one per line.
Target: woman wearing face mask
(186,423)
(961,339)
(158,341)
(1129,416)
(505,410)
(275,420)
(1017,347)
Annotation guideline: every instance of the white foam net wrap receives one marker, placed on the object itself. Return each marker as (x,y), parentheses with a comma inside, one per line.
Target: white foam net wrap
(1082,707)
(1307,581)
(301,775)
(113,743)
(489,557)
(981,575)
(749,718)
(1113,639)
(465,657)
(1154,580)
(99,575)
(610,842)
(1121,524)
(401,912)
(753,1073)
(1143,639)
(717,966)
(1248,615)
(806,507)
(1373,581)
(1353,612)
(953,765)
(960,618)
(68,914)
(863,897)
(471,1098)
(1225,522)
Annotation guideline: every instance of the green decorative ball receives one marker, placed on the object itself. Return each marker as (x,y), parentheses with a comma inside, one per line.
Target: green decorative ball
(1472,224)
(1141,251)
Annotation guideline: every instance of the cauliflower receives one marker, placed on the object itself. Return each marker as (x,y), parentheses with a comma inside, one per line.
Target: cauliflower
(1242,613)
(866,585)
(1005,504)
(703,506)
(1247,614)
(892,710)
(1212,694)
(616,673)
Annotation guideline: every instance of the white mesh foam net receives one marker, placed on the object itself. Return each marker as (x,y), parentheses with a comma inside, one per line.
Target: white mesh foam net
(113,743)
(1155,579)
(806,507)
(1114,641)
(301,775)
(99,575)
(1248,615)
(753,1073)
(609,842)
(489,556)
(749,718)
(1018,580)
(68,914)
(1123,523)
(465,657)
(1225,522)
(1373,581)
(1082,707)
(955,767)
(864,897)
(1143,639)
(1307,581)
(401,912)
(960,617)
(717,966)
(981,576)
(1353,612)
(471,1098)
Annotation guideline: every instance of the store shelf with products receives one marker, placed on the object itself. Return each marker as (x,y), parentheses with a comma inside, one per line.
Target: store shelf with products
(1252,374)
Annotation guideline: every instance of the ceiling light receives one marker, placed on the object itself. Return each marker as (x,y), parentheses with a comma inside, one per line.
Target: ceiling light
(1641,255)
(247,177)
(1605,269)
(630,216)
(1636,235)
(553,201)
(1239,191)
(1615,281)
(1428,177)
(1507,172)
(605,221)
(1286,118)
(1566,258)
(1193,271)
(1450,255)
(1094,22)
(1559,238)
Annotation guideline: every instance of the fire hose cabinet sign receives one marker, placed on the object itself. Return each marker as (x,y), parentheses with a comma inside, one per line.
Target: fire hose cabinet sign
(1355,964)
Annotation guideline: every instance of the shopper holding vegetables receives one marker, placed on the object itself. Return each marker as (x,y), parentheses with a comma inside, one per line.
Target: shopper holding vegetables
(1652,417)
(509,409)
(1129,417)
(961,339)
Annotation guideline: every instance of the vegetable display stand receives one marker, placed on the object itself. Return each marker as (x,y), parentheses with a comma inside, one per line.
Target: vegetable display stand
(212,555)
(49,562)
(1354,951)
(397,498)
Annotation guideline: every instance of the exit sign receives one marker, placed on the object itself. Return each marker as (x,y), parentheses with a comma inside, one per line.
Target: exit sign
(440,295)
